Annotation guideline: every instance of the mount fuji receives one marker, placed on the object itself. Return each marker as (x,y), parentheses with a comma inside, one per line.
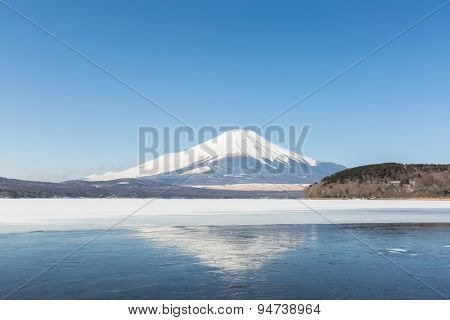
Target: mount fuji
(234,157)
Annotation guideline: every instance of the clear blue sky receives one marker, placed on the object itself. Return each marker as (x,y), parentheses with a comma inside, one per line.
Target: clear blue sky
(220,62)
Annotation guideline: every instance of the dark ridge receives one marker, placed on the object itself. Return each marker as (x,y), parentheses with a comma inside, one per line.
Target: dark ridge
(125,188)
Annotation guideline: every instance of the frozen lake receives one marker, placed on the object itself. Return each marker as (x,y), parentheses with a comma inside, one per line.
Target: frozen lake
(17,215)
(224,249)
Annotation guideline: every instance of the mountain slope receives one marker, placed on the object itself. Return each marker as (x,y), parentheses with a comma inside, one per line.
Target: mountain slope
(235,156)
(385,181)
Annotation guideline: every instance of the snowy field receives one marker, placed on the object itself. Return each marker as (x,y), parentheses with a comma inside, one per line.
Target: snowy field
(22,215)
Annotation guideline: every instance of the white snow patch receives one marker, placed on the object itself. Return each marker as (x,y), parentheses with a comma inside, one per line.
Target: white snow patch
(198,170)
(397,250)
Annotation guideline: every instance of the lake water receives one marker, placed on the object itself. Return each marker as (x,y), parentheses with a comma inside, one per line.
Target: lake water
(361,261)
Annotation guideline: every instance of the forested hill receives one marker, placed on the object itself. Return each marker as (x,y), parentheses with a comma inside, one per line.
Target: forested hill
(385,181)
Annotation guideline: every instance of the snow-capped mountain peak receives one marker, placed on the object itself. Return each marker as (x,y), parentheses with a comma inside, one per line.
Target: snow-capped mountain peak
(211,156)
(239,142)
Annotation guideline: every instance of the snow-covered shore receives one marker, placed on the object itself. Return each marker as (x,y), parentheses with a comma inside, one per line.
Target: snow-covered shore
(22,215)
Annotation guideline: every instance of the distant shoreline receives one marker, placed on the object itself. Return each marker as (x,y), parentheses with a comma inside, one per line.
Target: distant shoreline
(232,199)
(384,199)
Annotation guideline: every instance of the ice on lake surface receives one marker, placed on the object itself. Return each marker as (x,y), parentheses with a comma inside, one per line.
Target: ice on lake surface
(20,215)
(220,254)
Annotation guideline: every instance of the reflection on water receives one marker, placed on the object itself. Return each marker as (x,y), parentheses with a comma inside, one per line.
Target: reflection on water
(231,262)
(231,249)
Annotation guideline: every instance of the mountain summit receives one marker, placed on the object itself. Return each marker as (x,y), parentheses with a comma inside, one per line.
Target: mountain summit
(235,156)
